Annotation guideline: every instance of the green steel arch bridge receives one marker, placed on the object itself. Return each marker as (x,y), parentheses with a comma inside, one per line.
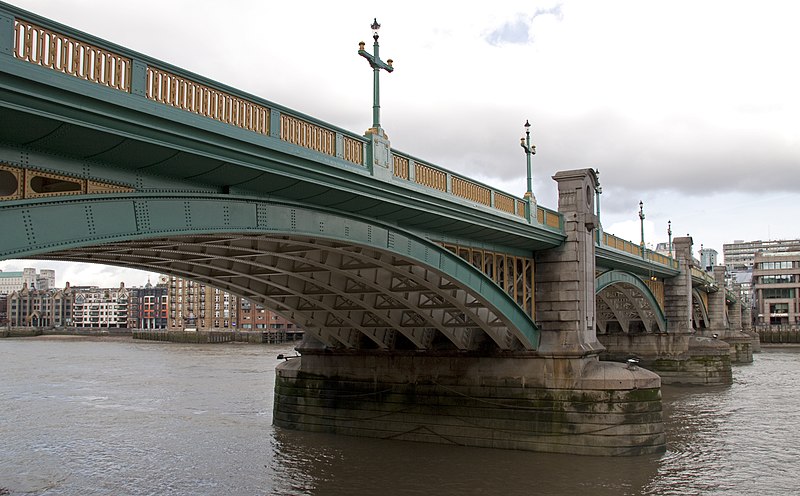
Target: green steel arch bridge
(110,156)
(426,296)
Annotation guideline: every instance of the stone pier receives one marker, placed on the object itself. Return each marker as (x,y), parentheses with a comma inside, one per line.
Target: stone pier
(678,355)
(727,326)
(559,398)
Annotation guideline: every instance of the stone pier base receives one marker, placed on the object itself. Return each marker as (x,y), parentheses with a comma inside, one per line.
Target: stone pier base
(756,341)
(740,344)
(575,406)
(677,358)
(706,363)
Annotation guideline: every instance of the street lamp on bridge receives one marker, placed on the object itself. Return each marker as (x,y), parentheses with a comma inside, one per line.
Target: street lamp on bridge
(377,64)
(669,234)
(530,200)
(641,223)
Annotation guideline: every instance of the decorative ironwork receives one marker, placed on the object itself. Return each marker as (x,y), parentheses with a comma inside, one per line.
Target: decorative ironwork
(512,273)
(472,191)
(308,135)
(430,177)
(400,166)
(65,54)
(19,184)
(353,150)
(176,91)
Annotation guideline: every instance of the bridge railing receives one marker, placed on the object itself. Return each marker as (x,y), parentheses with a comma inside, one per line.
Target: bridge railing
(703,277)
(56,47)
(59,48)
(610,241)
(447,182)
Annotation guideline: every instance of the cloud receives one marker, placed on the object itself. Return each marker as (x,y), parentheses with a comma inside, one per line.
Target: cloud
(520,29)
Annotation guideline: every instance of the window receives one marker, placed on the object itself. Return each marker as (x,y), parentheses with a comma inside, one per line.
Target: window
(775,265)
(779,308)
(777,293)
(779,279)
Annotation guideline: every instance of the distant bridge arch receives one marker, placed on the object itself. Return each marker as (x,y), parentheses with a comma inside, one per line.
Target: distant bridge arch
(350,282)
(623,298)
(700,317)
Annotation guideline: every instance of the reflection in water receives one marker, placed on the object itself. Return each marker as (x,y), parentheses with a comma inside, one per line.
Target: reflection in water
(123,417)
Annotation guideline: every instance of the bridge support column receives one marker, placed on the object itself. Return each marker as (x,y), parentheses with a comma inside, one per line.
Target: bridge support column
(558,399)
(520,402)
(728,327)
(747,321)
(679,356)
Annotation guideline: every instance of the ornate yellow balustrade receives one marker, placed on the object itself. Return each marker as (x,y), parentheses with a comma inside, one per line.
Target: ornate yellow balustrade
(612,241)
(548,217)
(63,53)
(505,203)
(430,177)
(182,93)
(620,244)
(308,135)
(353,150)
(438,179)
(472,191)
(400,166)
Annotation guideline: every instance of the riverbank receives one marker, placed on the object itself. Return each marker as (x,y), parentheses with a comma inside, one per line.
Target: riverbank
(172,336)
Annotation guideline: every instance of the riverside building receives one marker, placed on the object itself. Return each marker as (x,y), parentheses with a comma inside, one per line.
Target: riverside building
(776,284)
(31,307)
(100,307)
(192,305)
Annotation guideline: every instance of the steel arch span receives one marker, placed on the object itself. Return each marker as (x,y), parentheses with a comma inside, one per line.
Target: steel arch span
(624,298)
(350,282)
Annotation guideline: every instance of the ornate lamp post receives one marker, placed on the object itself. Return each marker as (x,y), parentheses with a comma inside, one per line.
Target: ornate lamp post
(377,64)
(669,234)
(641,223)
(530,200)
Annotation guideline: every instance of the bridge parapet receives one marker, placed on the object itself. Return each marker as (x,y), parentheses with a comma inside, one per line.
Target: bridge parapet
(705,280)
(439,179)
(631,248)
(53,46)
(59,48)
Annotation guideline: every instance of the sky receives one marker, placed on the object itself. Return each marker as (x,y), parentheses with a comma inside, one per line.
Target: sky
(691,107)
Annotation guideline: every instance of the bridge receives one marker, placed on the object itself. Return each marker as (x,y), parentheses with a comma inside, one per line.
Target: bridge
(436,307)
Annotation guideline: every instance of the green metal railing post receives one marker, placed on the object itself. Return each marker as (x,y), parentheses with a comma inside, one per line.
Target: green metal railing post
(6,34)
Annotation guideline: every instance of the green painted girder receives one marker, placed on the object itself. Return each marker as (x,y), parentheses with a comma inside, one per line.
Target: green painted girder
(66,116)
(612,277)
(54,226)
(270,172)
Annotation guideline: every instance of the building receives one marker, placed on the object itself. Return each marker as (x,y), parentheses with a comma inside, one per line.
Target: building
(3,309)
(31,307)
(740,255)
(740,259)
(776,284)
(708,258)
(254,316)
(100,307)
(148,307)
(192,305)
(14,281)
(46,279)
(198,306)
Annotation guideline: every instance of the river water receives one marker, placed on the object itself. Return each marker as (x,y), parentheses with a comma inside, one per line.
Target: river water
(122,417)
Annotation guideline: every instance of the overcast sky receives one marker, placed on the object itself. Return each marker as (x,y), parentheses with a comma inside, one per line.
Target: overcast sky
(692,107)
